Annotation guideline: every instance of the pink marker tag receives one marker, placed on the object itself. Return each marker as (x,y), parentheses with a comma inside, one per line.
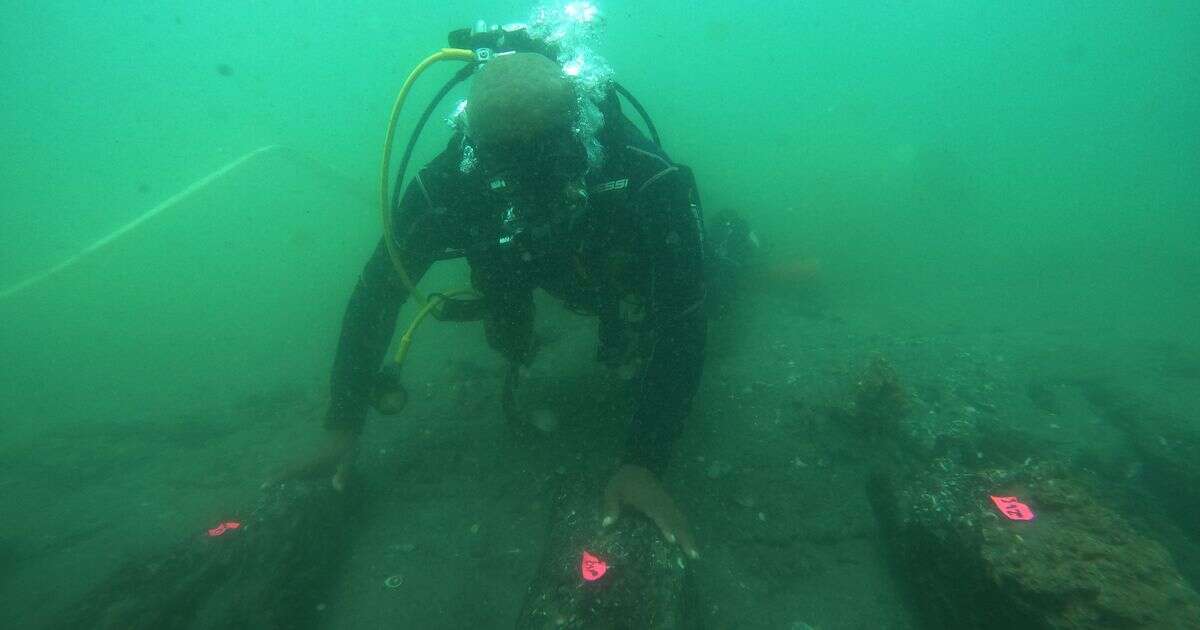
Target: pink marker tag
(1013,509)
(223,527)
(592,568)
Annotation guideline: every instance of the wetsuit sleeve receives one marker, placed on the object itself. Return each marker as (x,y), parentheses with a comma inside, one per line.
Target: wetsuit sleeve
(370,318)
(674,238)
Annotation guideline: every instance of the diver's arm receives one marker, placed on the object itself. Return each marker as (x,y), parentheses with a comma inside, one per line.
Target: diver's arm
(367,328)
(370,318)
(672,374)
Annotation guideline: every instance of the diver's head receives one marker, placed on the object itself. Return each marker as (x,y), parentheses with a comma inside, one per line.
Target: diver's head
(520,114)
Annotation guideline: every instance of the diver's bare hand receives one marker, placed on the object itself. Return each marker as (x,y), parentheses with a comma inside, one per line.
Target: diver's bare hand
(640,489)
(332,457)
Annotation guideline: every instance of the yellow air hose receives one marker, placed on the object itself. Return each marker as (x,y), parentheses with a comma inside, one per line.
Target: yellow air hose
(406,338)
(385,199)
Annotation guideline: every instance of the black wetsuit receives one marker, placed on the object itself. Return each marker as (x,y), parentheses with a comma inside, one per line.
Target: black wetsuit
(639,235)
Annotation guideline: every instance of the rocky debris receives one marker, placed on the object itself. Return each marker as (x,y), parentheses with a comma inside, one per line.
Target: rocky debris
(1167,442)
(875,403)
(266,571)
(643,585)
(1078,564)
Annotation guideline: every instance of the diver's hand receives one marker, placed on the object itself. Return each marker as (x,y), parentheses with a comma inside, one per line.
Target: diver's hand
(332,457)
(640,489)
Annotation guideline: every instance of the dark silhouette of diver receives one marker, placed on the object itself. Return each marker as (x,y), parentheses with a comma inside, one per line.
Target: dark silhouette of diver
(521,194)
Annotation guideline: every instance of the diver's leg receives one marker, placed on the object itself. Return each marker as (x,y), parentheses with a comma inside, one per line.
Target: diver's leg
(508,327)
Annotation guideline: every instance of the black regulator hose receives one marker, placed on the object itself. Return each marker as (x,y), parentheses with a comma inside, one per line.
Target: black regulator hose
(458,77)
(641,112)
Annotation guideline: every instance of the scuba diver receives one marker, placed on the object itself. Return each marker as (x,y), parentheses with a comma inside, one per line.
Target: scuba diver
(542,186)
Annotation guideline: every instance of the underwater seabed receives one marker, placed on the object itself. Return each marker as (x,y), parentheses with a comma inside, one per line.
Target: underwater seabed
(838,468)
(131,366)
(822,458)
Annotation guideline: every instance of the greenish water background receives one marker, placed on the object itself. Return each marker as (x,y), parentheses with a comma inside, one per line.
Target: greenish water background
(1024,165)
(970,168)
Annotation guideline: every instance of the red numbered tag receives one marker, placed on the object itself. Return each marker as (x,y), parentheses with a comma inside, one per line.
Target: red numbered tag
(1013,509)
(592,568)
(223,527)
